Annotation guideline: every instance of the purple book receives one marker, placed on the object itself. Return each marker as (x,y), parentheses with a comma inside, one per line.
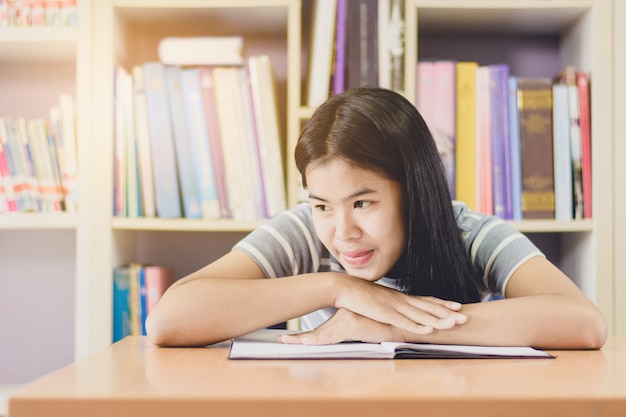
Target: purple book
(339,69)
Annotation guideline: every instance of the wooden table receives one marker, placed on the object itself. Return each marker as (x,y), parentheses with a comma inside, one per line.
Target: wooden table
(134,378)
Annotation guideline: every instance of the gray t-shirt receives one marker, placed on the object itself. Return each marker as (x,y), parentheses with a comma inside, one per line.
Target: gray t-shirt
(287,245)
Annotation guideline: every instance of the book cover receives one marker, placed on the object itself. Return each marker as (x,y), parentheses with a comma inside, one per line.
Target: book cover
(254,178)
(201,50)
(202,159)
(142,132)
(466,133)
(500,141)
(121,302)
(185,158)
(320,51)
(162,146)
(119,145)
(362,48)
(514,140)
(67,104)
(585,134)
(268,133)
(341,43)
(229,99)
(563,189)
(215,138)
(263,344)
(535,113)
(157,280)
(444,116)
(484,183)
(8,201)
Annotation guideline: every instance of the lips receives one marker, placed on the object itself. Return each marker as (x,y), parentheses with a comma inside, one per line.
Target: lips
(357,258)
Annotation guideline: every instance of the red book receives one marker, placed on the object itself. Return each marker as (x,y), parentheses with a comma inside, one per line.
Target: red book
(585,133)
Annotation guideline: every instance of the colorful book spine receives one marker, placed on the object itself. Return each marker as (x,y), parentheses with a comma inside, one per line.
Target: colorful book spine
(444,115)
(162,146)
(157,280)
(121,303)
(563,202)
(466,133)
(516,170)
(341,28)
(189,186)
(215,138)
(362,54)
(484,183)
(321,47)
(585,133)
(500,145)
(200,145)
(535,110)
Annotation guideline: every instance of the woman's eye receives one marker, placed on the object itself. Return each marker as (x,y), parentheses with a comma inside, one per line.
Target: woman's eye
(361,204)
(321,207)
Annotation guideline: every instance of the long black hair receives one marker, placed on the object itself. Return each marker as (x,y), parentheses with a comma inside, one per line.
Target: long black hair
(380,130)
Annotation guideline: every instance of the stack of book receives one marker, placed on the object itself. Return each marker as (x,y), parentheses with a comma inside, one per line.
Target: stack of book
(197,134)
(364,47)
(137,289)
(516,147)
(38,161)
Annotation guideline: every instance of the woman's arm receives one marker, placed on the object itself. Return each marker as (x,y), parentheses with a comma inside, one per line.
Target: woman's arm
(230,297)
(543,309)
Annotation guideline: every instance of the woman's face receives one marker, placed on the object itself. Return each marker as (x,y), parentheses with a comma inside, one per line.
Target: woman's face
(358,215)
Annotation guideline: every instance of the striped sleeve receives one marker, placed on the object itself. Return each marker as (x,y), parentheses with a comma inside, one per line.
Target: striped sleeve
(286,245)
(495,248)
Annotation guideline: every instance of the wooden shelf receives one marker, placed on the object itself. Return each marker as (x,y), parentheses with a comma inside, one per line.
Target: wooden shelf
(38,221)
(185,225)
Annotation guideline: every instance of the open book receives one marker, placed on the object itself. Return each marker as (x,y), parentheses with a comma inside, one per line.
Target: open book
(263,344)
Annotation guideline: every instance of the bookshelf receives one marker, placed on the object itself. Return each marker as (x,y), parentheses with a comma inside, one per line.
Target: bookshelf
(79,251)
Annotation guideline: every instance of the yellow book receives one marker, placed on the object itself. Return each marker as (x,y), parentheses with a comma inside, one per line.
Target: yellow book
(466,133)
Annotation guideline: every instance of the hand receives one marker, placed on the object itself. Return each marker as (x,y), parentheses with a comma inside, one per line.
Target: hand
(345,325)
(414,314)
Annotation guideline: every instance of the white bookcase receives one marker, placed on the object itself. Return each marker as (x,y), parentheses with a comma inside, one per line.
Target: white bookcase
(56,271)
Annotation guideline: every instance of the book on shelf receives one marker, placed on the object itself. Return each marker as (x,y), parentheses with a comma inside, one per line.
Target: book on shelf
(582,81)
(500,140)
(391,44)
(119,152)
(63,129)
(444,115)
(263,344)
(183,144)
(563,188)
(320,51)
(515,154)
(132,180)
(264,104)
(207,86)
(142,132)
(362,47)
(568,77)
(201,50)
(137,288)
(202,159)
(162,145)
(465,172)
(230,111)
(340,51)
(535,114)
(484,183)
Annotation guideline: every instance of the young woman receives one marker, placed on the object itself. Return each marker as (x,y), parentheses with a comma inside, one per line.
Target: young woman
(380,252)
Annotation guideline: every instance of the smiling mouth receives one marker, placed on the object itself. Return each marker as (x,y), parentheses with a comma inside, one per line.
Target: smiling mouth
(357,258)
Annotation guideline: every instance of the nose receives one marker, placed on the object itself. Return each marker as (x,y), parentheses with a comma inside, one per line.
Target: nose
(346,226)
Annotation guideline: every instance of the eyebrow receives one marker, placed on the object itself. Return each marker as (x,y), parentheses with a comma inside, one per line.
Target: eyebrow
(352,196)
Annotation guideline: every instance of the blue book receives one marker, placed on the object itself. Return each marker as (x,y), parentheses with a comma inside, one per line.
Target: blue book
(143,298)
(515,150)
(500,153)
(162,143)
(563,173)
(190,193)
(121,303)
(202,158)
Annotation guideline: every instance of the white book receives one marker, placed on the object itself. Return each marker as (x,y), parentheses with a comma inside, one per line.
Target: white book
(142,132)
(263,344)
(321,51)
(268,133)
(67,105)
(202,50)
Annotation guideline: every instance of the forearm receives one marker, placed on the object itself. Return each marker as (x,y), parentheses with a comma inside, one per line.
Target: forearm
(543,321)
(204,311)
